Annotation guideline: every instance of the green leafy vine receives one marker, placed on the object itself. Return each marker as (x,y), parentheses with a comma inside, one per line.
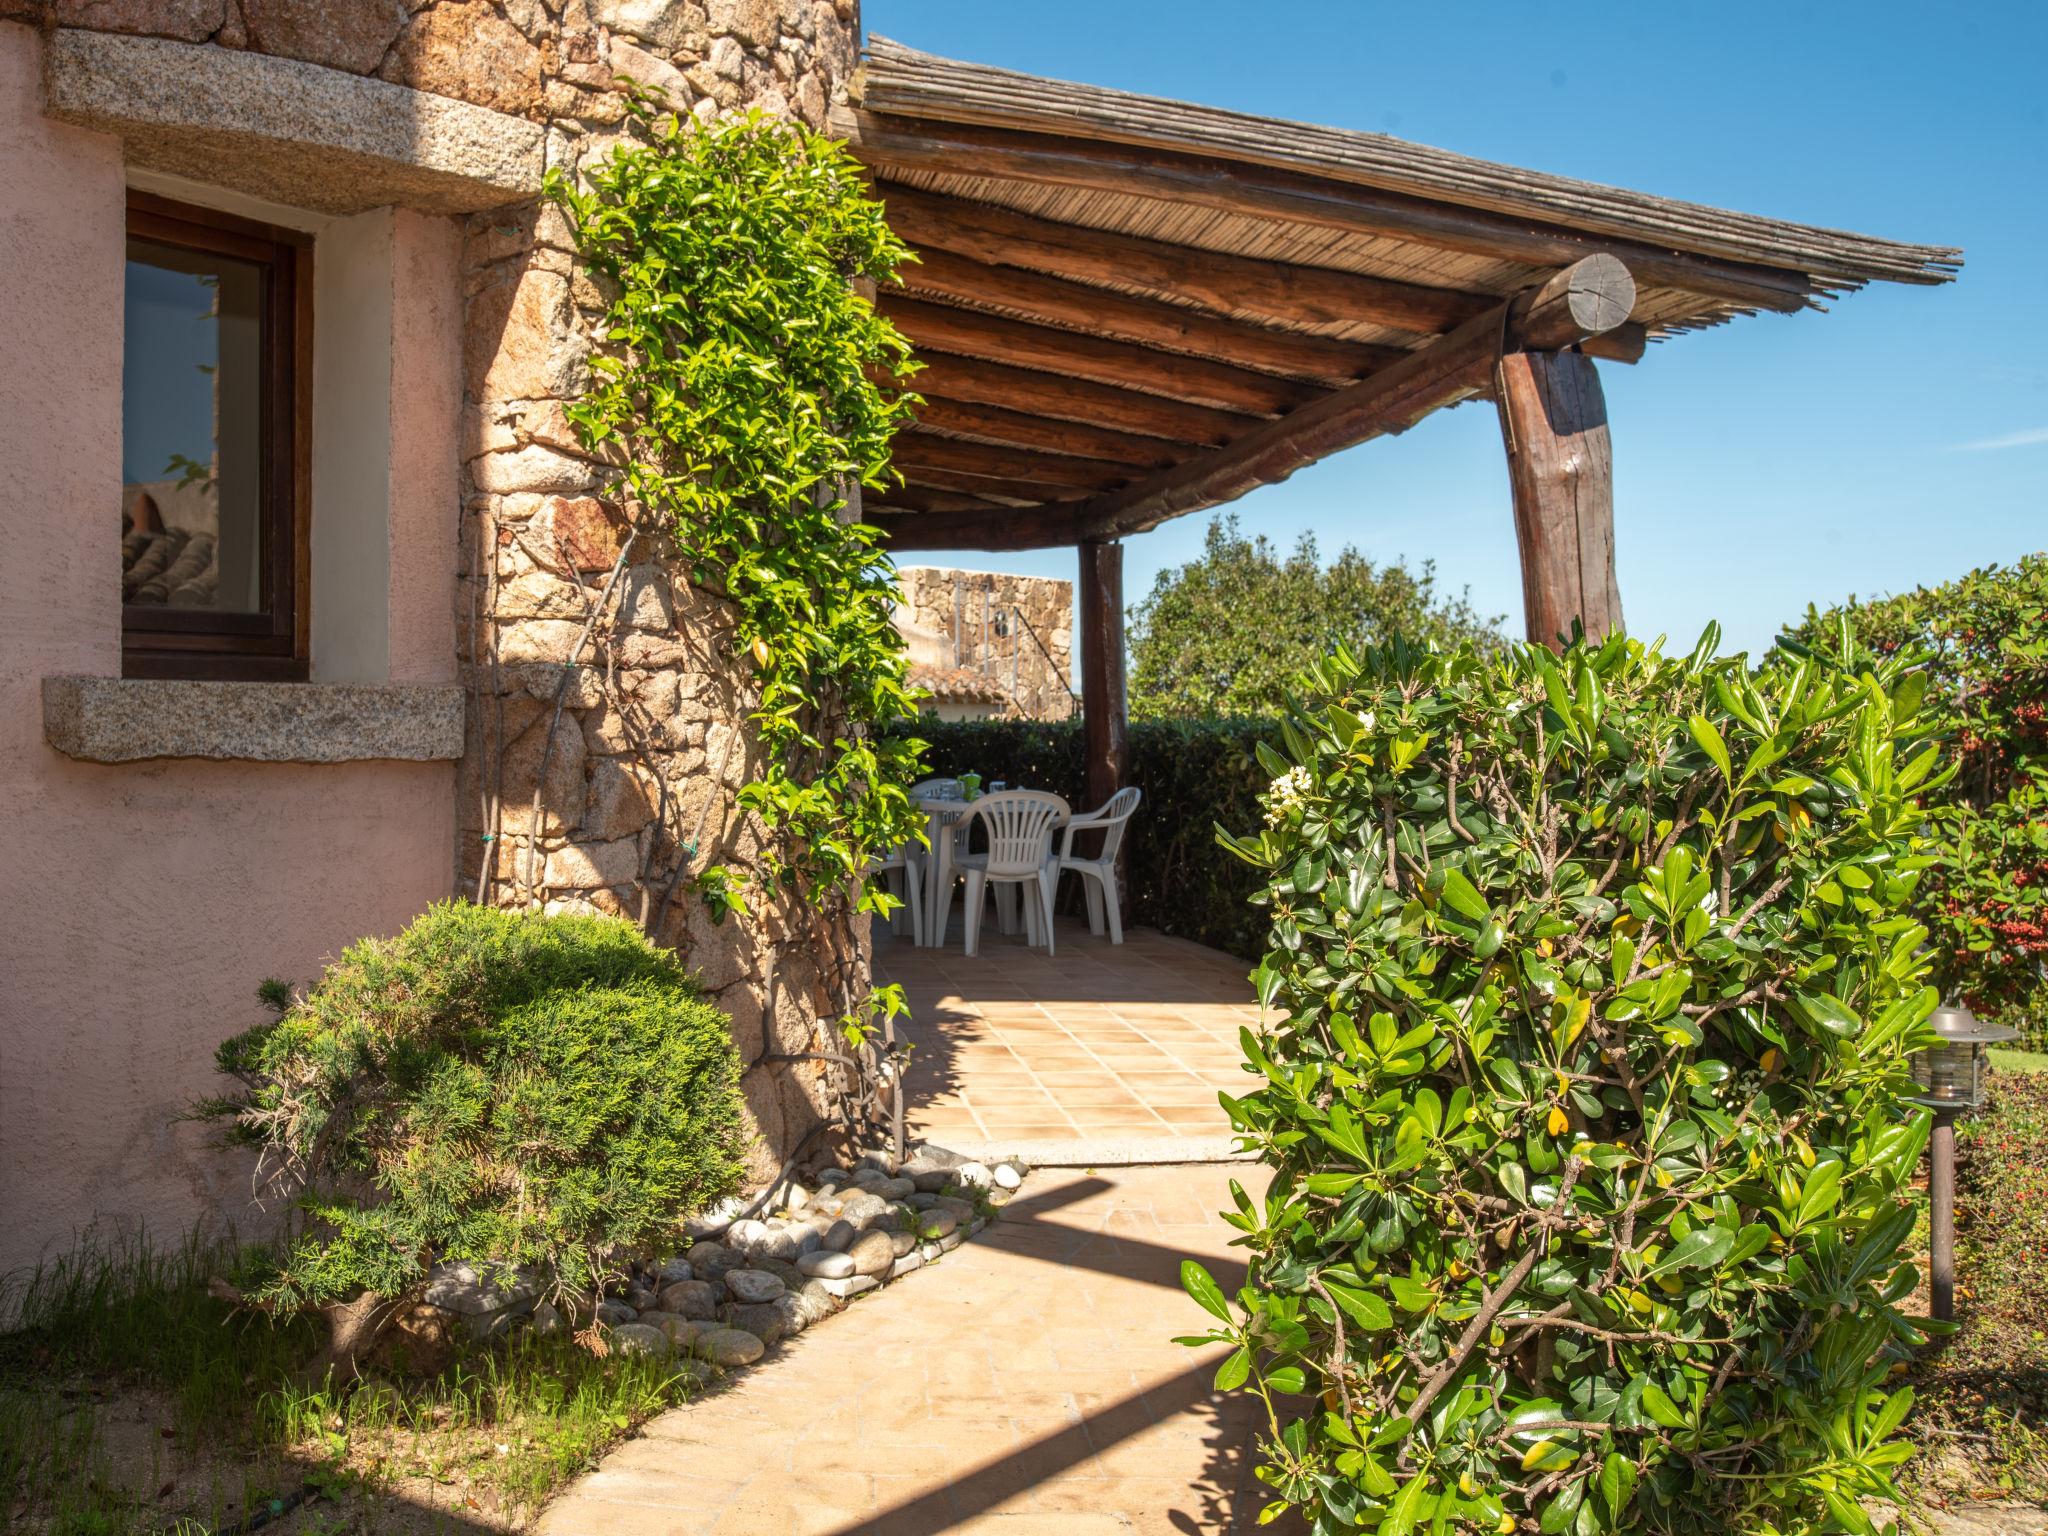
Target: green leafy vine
(744,387)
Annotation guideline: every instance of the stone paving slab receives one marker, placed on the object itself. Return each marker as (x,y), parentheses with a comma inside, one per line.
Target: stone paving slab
(1026,1383)
(1099,1045)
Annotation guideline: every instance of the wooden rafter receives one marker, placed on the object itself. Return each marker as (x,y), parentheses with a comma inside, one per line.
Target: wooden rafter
(1048,434)
(944,274)
(914,452)
(1049,394)
(1275,292)
(973,333)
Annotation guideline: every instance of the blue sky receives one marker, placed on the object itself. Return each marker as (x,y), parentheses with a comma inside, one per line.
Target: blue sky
(1899,439)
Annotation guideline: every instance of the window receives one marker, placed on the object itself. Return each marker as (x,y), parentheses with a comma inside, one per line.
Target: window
(214,445)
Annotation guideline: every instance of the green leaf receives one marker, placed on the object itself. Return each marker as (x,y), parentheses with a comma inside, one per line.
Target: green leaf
(1700,1249)
(1708,735)
(1406,1509)
(1460,896)
(1236,1367)
(1196,1281)
(1364,1308)
(1617,1485)
(1660,1407)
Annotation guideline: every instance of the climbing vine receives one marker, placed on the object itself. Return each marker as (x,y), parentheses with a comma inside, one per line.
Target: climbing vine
(744,386)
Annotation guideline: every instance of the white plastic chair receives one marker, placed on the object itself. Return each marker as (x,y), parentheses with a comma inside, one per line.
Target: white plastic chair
(1098,874)
(1019,824)
(905,862)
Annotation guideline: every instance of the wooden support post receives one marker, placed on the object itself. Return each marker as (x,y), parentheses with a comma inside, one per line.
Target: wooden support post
(1103,725)
(1553,420)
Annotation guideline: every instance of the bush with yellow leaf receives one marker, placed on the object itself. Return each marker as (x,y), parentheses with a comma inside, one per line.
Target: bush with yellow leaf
(1583,1079)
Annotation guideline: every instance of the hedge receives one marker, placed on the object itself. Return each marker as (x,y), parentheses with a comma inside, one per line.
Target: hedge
(1196,775)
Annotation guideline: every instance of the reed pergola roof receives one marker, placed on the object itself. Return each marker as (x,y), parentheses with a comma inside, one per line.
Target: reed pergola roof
(1131,308)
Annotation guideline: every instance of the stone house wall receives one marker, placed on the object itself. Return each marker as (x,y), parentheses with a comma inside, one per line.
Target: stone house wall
(1017,630)
(641,766)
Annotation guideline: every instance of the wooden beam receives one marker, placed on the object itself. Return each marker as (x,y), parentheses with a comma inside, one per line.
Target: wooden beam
(1045,394)
(1048,434)
(914,451)
(1041,527)
(1553,420)
(1274,290)
(1075,354)
(919,498)
(894,144)
(1105,727)
(1149,322)
(1024,493)
(1453,368)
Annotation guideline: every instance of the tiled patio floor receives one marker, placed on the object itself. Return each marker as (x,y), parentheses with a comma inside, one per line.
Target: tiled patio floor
(1118,1047)
(1026,1385)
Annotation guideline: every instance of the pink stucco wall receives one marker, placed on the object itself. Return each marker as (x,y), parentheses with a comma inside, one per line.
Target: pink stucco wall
(143,903)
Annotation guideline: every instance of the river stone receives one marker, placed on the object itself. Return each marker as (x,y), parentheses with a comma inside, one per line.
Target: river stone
(839,1236)
(690,1298)
(814,1303)
(832,1176)
(745,1236)
(613,1313)
(486,1297)
(672,1270)
(714,1221)
(877,1158)
(782,1242)
(937,1223)
(902,1242)
(931,1180)
(999,1197)
(639,1339)
(753,1285)
(712,1260)
(1007,1176)
(869,1178)
(960,1210)
(826,1265)
(973,1176)
(825,1208)
(852,1285)
(677,1329)
(896,1189)
(790,1276)
(764,1320)
(873,1253)
(863,1210)
(920,1201)
(641,1299)
(795,1197)
(730,1347)
(546,1319)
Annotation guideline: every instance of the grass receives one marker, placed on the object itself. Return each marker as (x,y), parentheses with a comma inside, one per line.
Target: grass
(131,1400)
(1982,1414)
(2018,1061)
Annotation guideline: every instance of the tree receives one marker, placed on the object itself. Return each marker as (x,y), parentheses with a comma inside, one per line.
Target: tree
(1225,634)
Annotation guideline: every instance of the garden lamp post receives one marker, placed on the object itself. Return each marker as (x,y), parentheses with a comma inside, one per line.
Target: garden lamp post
(1951,1078)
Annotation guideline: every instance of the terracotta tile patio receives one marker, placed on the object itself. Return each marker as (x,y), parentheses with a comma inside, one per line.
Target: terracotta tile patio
(1026,1384)
(1098,1052)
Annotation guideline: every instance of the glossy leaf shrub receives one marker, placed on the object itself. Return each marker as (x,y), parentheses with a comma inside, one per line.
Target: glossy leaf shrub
(502,1088)
(1589,999)
(1983,639)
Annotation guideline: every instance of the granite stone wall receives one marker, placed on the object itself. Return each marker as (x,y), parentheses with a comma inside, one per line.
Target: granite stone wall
(1017,630)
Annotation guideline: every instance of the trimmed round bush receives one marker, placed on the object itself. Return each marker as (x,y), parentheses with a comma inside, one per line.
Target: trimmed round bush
(507,1089)
(1583,1081)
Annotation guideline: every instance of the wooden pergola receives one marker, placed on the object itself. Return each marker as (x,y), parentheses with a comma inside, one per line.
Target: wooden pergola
(1130,309)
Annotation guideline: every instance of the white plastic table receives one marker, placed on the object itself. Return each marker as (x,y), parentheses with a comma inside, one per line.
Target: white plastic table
(940,817)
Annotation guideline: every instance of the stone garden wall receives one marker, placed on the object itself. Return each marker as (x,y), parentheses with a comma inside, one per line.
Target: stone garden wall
(1017,630)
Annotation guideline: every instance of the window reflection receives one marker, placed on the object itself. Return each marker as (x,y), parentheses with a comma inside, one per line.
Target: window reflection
(192,431)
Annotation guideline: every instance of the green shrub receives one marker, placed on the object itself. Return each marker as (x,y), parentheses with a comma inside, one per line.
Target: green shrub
(501,1088)
(1590,1001)
(1984,640)
(1195,775)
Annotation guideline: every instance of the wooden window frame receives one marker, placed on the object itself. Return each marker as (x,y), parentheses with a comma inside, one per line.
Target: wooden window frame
(271,645)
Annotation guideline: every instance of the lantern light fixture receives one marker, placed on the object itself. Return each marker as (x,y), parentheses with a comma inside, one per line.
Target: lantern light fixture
(1951,1071)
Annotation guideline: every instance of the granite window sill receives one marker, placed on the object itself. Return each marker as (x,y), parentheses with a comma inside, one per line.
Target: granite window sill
(130,719)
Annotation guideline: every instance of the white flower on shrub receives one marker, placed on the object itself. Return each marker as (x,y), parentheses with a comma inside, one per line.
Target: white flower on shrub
(1286,793)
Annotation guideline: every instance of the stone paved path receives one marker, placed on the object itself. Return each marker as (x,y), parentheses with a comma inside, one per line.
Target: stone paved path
(1027,1384)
